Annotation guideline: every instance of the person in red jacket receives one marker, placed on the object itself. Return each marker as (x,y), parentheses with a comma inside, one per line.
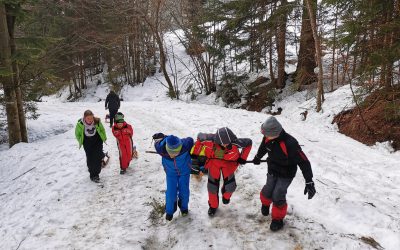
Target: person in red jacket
(124,132)
(224,152)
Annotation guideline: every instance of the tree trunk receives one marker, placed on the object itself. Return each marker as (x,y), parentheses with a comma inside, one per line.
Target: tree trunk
(271,54)
(281,47)
(154,26)
(163,61)
(81,72)
(311,8)
(306,60)
(16,78)
(333,51)
(14,133)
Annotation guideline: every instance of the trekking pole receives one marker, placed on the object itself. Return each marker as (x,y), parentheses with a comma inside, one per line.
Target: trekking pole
(253,162)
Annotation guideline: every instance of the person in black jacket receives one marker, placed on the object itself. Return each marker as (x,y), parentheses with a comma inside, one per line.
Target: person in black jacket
(113,104)
(284,154)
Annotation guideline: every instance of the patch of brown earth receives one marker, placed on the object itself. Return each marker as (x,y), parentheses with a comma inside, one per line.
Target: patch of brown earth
(379,120)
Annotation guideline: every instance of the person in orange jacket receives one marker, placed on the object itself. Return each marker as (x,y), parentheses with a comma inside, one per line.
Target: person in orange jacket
(224,152)
(124,132)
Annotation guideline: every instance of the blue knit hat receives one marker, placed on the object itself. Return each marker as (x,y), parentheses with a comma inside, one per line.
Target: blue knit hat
(174,145)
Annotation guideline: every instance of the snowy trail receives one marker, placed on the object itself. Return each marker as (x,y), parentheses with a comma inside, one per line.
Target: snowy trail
(56,206)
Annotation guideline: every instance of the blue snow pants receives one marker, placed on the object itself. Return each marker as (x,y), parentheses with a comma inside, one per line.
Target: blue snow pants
(177,188)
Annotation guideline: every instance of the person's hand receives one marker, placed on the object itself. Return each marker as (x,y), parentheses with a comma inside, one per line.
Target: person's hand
(310,189)
(158,137)
(241,161)
(256,161)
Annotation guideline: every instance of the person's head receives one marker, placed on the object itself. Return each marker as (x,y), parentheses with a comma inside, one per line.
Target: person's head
(224,137)
(271,128)
(119,120)
(88,116)
(173,146)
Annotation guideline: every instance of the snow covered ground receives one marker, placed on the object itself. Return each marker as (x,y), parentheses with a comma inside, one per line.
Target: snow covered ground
(56,206)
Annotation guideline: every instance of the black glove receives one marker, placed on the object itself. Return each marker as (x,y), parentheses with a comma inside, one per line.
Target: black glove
(256,161)
(157,136)
(241,161)
(310,189)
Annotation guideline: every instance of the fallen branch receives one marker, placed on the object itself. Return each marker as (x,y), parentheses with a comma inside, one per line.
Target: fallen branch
(371,241)
(20,243)
(23,173)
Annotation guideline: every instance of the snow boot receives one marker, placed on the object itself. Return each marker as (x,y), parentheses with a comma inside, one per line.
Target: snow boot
(184,212)
(122,171)
(265,210)
(276,225)
(225,201)
(169,217)
(95,179)
(211,211)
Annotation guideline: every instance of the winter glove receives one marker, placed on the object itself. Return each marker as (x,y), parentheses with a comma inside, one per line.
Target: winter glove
(158,137)
(256,161)
(310,189)
(241,161)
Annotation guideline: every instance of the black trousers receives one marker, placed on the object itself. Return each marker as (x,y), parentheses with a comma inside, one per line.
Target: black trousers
(112,116)
(94,154)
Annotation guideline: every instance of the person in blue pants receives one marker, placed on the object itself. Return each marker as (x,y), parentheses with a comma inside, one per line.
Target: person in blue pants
(176,161)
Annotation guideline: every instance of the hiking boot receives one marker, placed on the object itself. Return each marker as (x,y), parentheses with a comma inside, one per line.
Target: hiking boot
(211,211)
(276,225)
(95,179)
(265,210)
(184,213)
(169,217)
(225,201)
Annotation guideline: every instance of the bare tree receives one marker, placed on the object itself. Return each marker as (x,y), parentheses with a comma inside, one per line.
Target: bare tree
(311,6)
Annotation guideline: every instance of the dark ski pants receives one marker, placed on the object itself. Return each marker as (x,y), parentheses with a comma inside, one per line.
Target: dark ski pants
(177,188)
(274,191)
(113,112)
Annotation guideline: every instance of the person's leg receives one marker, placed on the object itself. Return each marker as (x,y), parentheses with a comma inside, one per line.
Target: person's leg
(266,194)
(229,185)
(170,194)
(123,156)
(279,207)
(113,112)
(184,192)
(213,186)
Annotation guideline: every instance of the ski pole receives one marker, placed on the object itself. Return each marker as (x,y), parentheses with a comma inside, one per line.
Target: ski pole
(154,152)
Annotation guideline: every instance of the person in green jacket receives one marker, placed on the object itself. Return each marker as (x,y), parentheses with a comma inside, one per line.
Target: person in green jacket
(90,133)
